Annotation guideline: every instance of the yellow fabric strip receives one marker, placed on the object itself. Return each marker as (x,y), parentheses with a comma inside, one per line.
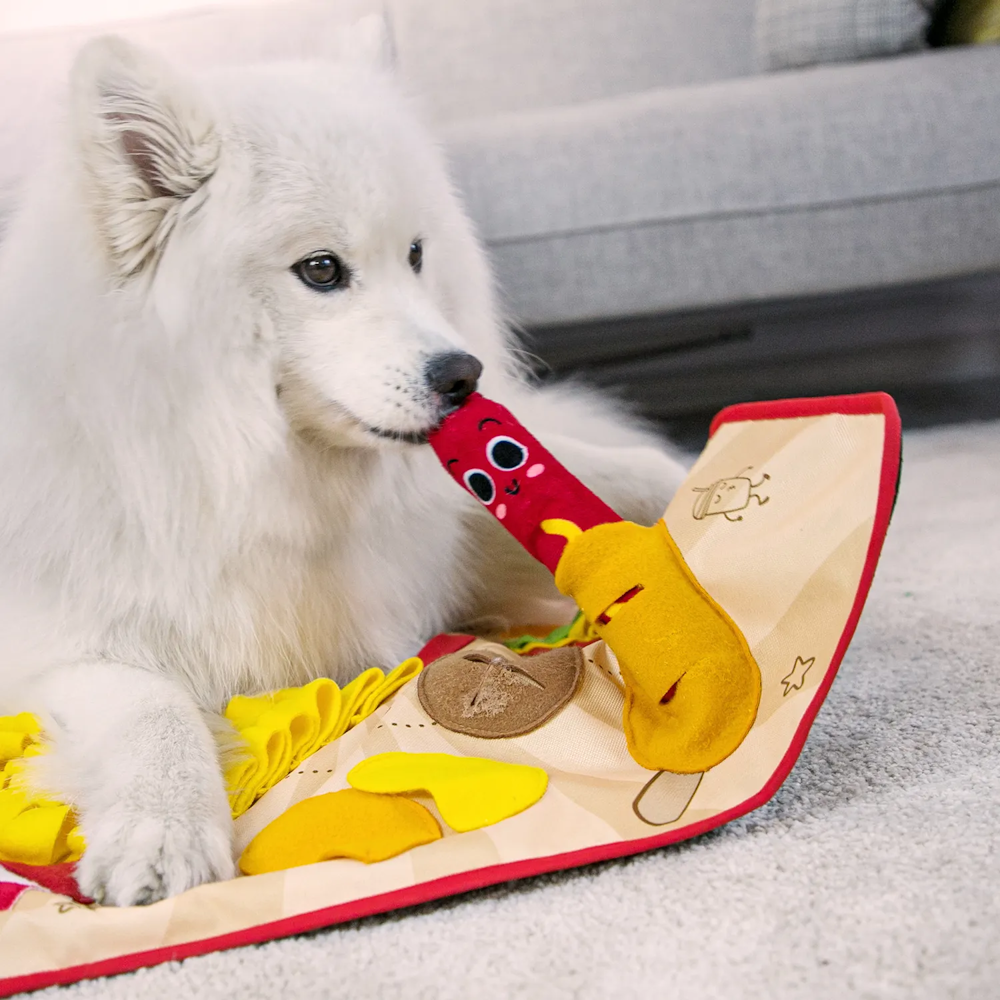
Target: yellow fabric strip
(38,835)
(13,744)
(23,723)
(33,829)
(283,728)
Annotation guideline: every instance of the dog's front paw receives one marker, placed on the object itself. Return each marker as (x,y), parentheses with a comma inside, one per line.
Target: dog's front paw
(134,858)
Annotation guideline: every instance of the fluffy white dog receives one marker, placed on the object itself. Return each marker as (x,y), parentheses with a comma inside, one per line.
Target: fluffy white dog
(231,308)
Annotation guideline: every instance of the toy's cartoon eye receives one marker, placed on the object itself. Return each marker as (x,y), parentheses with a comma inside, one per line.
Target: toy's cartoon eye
(506,453)
(481,484)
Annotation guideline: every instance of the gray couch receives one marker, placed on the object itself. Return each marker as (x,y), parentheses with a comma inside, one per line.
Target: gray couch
(659,213)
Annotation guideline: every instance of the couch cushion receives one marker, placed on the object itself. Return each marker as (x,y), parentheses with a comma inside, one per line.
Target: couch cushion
(467,59)
(791,33)
(802,182)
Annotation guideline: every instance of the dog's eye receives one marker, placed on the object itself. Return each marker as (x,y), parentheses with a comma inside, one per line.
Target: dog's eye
(506,453)
(323,270)
(481,484)
(416,257)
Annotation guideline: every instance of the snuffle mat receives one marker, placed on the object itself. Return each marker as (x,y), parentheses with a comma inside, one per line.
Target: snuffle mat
(781,521)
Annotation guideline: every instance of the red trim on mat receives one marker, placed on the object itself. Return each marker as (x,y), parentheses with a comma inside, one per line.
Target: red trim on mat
(466,881)
(810,406)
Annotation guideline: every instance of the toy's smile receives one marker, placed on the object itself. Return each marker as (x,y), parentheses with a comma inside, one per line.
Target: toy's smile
(513,489)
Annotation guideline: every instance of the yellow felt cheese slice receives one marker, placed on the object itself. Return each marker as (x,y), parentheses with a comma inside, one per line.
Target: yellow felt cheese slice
(345,824)
(470,792)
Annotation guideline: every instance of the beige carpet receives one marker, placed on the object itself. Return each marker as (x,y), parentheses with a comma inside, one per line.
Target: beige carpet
(874,872)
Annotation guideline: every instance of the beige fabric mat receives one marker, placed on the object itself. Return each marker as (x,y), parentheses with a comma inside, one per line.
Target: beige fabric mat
(784,555)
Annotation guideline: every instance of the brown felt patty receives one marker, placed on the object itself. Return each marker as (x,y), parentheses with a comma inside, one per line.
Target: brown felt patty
(492,692)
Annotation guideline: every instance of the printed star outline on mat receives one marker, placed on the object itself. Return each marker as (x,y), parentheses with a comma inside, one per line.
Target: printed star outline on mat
(795,680)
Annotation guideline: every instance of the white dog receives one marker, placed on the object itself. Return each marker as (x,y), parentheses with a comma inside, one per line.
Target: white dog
(231,308)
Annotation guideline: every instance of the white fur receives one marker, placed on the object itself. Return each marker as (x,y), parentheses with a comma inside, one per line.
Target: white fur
(190,504)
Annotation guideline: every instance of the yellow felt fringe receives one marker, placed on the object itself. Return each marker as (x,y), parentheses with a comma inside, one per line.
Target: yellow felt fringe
(279,729)
(33,828)
(282,728)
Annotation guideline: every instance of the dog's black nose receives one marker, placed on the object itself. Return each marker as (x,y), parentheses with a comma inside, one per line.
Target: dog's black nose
(453,376)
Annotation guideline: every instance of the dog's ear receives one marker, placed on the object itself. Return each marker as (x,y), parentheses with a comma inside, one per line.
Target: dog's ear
(146,143)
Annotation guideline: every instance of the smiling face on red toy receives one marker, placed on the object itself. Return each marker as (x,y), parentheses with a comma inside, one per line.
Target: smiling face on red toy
(494,458)
(486,450)
(503,470)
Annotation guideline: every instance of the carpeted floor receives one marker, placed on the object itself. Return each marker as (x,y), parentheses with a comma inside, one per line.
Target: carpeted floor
(874,872)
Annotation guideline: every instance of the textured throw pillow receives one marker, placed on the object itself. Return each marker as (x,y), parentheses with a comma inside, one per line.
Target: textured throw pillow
(792,33)
(970,22)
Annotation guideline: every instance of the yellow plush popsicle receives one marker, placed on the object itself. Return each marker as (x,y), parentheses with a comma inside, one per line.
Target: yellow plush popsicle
(692,686)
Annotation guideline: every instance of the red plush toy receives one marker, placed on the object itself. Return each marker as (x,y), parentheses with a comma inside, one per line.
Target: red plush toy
(486,450)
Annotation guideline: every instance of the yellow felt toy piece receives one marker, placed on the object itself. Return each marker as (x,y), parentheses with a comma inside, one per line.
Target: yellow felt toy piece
(13,744)
(692,686)
(14,769)
(17,733)
(309,714)
(38,835)
(470,792)
(24,722)
(13,802)
(33,828)
(280,729)
(76,844)
(354,695)
(391,683)
(265,759)
(324,697)
(345,824)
